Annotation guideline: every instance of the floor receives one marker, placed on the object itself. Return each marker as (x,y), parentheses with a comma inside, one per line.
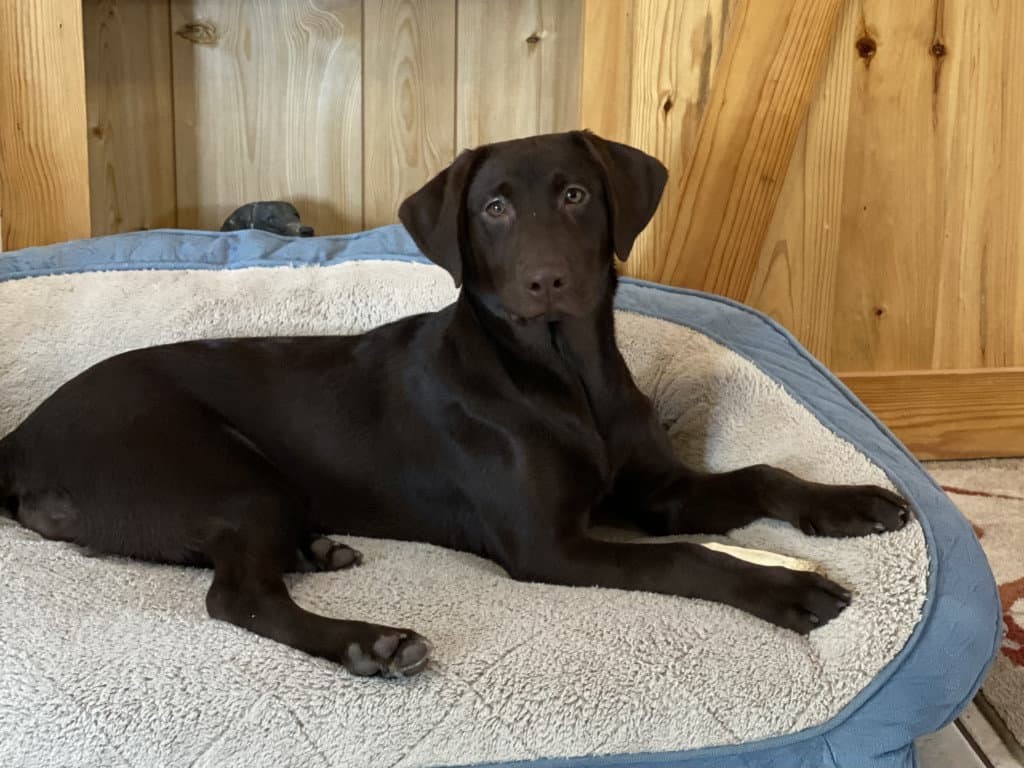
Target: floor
(972,741)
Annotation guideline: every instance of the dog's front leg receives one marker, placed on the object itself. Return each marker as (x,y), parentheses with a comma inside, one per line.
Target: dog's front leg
(795,600)
(684,501)
(653,490)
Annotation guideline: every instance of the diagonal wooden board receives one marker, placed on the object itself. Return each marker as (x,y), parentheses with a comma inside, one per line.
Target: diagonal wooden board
(723,190)
(772,60)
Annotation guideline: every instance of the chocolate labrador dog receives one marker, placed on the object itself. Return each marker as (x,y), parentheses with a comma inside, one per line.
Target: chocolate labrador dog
(503,425)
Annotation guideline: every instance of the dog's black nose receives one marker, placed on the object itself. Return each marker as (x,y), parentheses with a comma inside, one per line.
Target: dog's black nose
(546,282)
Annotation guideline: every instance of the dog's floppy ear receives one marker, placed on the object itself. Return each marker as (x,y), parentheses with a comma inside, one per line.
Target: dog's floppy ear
(433,215)
(633,182)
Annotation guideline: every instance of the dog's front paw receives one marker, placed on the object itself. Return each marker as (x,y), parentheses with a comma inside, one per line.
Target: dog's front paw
(797,600)
(851,510)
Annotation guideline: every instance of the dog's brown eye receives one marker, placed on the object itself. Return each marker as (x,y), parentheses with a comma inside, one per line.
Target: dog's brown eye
(575,195)
(495,208)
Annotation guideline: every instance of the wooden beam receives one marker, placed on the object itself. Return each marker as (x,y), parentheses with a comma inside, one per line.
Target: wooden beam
(44,157)
(772,59)
(955,414)
(796,277)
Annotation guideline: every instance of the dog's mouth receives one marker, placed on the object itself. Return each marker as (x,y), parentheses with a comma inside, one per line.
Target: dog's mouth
(549,316)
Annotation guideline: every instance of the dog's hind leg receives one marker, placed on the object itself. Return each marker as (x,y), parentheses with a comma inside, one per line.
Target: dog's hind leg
(150,475)
(248,521)
(250,555)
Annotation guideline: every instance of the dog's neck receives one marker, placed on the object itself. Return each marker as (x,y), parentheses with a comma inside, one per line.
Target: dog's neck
(575,357)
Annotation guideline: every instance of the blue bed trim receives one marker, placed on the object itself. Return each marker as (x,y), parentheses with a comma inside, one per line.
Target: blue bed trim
(200,249)
(922,689)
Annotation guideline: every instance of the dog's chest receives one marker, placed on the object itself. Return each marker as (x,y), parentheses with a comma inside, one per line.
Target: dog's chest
(559,453)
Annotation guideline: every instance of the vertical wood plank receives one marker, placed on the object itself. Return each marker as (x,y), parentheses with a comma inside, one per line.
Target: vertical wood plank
(795,281)
(131,119)
(676,52)
(885,308)
(268,105)
(977,86)
(926,272)
(44,158)
(409,103)
(771,63)
(607,64)
(930,273)
(518,69)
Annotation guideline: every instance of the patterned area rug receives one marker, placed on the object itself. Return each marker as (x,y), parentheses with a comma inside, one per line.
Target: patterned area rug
(991,494)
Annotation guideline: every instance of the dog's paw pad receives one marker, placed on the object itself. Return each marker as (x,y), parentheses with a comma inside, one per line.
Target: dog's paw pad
(397,653)
(330,555)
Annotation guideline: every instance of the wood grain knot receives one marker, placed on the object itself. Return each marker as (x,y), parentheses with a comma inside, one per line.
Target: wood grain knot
(879,311)
(866,47)
(667,105)
(938,49)
(198,32)
(533,39)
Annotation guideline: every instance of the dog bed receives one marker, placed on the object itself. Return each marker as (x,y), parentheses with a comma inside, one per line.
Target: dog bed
(111,662)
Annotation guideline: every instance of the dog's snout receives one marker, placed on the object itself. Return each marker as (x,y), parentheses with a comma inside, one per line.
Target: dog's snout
(546,282)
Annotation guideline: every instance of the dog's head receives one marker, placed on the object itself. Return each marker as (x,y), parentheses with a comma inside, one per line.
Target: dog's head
(530,226)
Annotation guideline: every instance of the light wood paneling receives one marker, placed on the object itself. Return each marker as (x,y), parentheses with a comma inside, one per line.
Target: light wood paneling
(131,118)
(949,414)
(796,271)
(770,67)
(978,88)
(922,268)
(518,70)
(675,62)
(268,105)
(607,64)
(409,101)
(44,160)
(886,304)
(648,69)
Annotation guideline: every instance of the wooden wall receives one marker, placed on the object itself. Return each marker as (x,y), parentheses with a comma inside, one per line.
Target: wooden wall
(889,138)
(342,106)
(44,182)
(898,240)
(896,253)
